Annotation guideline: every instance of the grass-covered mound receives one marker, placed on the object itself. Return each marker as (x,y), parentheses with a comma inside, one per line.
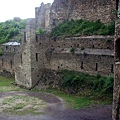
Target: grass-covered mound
(83,27)
(10,28)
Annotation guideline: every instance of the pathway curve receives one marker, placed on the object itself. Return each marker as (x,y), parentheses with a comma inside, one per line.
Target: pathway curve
(58,111)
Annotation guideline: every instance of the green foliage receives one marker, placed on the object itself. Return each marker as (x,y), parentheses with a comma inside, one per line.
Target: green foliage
(40,31)
(72,50)
(10,29)
(76,81)
(83,27)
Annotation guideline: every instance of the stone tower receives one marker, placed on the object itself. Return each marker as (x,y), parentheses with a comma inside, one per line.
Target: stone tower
(28,70)
(116,93)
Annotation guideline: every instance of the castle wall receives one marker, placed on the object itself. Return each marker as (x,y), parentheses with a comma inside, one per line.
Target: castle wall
(93,52)
(95,42)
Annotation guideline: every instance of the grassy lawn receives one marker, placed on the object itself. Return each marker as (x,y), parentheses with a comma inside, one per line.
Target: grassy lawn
(6,85)
(73,101)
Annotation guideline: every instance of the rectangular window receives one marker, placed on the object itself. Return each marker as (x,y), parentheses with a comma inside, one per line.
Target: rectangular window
(82,65)
(112,68)
(2,62)
(24,36)
(36,57)
(21,58)
(96,68)
(36,38)
(11,63)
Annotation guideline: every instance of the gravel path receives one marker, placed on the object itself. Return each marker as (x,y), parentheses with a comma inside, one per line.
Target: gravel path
(58,111)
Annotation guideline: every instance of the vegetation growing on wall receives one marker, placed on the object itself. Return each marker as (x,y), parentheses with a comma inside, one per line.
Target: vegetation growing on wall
(83,27)
(40,31)
(76,82)
(10,28)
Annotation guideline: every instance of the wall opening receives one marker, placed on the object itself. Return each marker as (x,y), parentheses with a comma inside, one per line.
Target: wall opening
(112,68)
(36,38)
(96,67)
(24,36)
(82,67)
(117,50)
(11,63)
(2,62)
(36,57)
(21,58)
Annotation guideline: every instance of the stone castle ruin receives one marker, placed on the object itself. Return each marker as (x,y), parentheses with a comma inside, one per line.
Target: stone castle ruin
(39,53)
(38,57)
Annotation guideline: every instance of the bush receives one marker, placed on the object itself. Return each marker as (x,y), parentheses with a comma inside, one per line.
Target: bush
(10,28)
(77,81)
(72,50)
(83,27)
(40,31)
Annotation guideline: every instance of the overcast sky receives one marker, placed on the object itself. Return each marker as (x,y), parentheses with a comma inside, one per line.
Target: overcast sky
(19,8)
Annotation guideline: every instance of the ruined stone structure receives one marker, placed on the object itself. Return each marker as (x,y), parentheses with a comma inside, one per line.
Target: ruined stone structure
(48,16)
(39,53)
(7,59)
(42,16)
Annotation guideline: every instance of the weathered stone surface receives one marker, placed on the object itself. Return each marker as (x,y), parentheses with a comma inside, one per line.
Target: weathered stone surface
(116,93)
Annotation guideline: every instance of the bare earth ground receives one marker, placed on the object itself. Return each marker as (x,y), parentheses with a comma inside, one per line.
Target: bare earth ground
(56,109)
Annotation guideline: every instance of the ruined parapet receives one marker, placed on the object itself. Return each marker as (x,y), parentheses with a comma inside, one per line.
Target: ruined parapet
(42,16)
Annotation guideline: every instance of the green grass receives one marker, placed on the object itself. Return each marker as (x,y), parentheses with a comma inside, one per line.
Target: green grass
(86,98)
(78,101)
(6,85)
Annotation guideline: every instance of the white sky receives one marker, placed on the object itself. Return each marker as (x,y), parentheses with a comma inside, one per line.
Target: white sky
(19,8)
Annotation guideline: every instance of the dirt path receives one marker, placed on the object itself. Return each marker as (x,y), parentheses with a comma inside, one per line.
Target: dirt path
(56,110)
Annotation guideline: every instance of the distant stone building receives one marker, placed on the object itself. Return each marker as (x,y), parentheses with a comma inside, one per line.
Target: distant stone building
(8,51)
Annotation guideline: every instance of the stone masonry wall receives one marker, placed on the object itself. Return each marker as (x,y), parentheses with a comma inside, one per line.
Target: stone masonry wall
(116,92)
(62,10)
(93,42)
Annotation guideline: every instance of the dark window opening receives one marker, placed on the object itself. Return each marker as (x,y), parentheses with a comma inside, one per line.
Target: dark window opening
(11,63)
(2,62)
(61,64)
(112,68)
(51,45)
(36,38)
(21,58)
(36,57)
(77,45)
(117,4)
(39,43)
(58,66)
(24,36)
(37,75)
(82,65)
(117,49)
(93,46)
(96,67)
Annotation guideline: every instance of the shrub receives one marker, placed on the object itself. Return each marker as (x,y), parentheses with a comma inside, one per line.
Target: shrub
(72,50)
(83,27)
(77,81)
